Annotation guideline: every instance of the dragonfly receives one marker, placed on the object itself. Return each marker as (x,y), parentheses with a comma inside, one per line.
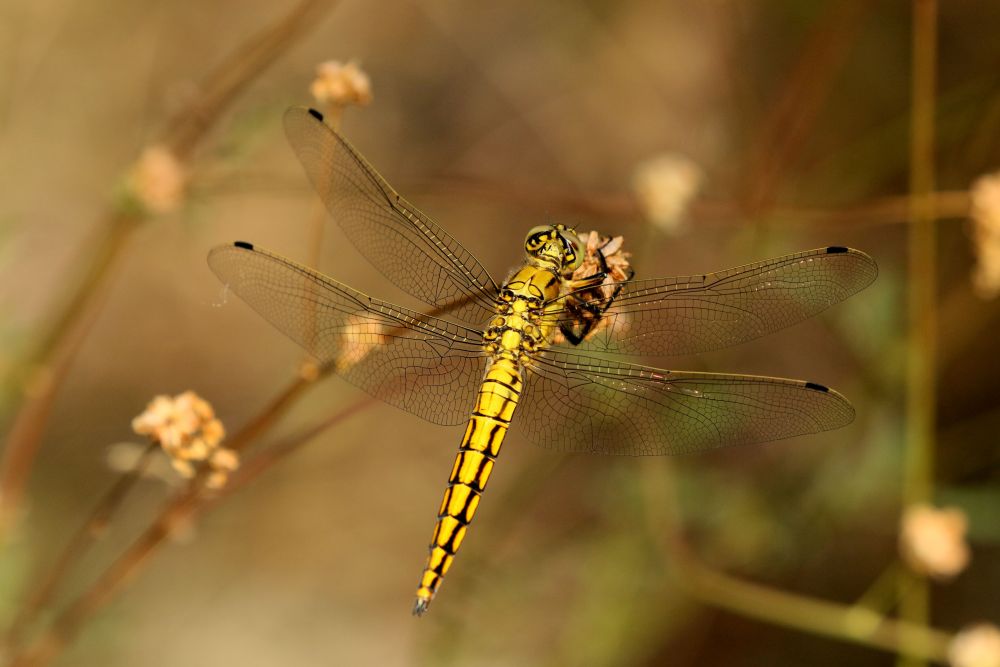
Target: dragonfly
(542,351)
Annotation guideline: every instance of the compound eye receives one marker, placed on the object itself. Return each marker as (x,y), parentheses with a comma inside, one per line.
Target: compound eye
(573,257)
(537,237)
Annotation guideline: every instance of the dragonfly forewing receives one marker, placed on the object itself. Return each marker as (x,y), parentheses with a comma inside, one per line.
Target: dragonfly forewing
(404,244)
(421,364)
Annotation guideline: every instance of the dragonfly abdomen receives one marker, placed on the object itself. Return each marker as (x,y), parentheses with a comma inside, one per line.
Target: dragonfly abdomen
(480,447)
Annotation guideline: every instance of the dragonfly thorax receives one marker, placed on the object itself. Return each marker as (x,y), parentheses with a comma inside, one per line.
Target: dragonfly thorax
(517,329)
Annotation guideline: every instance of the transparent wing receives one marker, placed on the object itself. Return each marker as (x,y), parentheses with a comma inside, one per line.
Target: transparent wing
(692,314)
(427,366)
(399,240)
(574,403)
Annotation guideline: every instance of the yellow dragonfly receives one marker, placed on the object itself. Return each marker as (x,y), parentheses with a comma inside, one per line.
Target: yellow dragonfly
(542,341)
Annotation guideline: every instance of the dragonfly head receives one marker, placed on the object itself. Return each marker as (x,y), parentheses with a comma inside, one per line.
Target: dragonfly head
(554,246)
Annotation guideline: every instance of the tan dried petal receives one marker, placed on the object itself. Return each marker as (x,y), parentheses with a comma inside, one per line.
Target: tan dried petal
(194,405)
(183,468)
(156,414)
(361,336)
(664,186)
(225,459)
(976,646)
(613,246)
(213,432)
(196,450)
(932,540)
(157,180)
(339,85)
(985,216)
(216,479)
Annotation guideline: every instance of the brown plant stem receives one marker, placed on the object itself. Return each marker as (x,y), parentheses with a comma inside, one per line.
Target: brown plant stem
(54,355)
(788,122)
(183,507)
(849,623)
(42,375)
(91,530)
(191,502)
(918,461)
(251,470)
(620,206)
(237,71)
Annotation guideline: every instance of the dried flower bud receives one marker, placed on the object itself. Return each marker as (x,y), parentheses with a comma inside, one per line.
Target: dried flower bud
(976,646)
(183,468)
(157,180)
(216,480)
(361,336)
(932,541)
(225,459)
(222,462)
(665,186)
(618,270)
(985,215)
(340,85)
(185,427)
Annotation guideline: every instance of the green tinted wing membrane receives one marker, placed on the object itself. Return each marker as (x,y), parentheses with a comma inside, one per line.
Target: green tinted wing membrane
(574,403)
(424,365)
(693,314)
(400,241)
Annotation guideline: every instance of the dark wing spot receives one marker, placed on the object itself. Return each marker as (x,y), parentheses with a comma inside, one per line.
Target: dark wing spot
(834,249)
(816,387)
(315,114)
(244,245)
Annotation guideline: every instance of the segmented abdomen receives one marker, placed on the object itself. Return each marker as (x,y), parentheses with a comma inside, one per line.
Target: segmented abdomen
(473,464)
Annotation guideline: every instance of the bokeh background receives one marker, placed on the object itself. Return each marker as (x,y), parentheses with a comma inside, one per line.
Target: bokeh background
(796,115)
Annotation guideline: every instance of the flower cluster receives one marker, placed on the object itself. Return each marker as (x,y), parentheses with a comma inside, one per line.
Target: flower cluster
(339,85)
(617,260)
(932,540)
(361,336)
(157,180)
(187,430)
(985,214)
(618,271)
(976,646)
(664,186)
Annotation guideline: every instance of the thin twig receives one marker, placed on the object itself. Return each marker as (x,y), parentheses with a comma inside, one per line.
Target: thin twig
(42,374)
(619,206)
(235,73)
(186,505)
(191,502)
(918,463)
(93,528)
(788,123)
(791,610)
(52,358)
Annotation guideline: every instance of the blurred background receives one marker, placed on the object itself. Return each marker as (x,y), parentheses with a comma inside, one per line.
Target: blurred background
(708,134)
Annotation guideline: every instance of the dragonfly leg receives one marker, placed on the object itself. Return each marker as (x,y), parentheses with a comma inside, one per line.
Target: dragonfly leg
(589,313)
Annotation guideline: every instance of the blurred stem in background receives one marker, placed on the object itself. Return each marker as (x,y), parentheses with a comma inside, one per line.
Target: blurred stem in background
(918,465)
(32,385)
(853,623)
